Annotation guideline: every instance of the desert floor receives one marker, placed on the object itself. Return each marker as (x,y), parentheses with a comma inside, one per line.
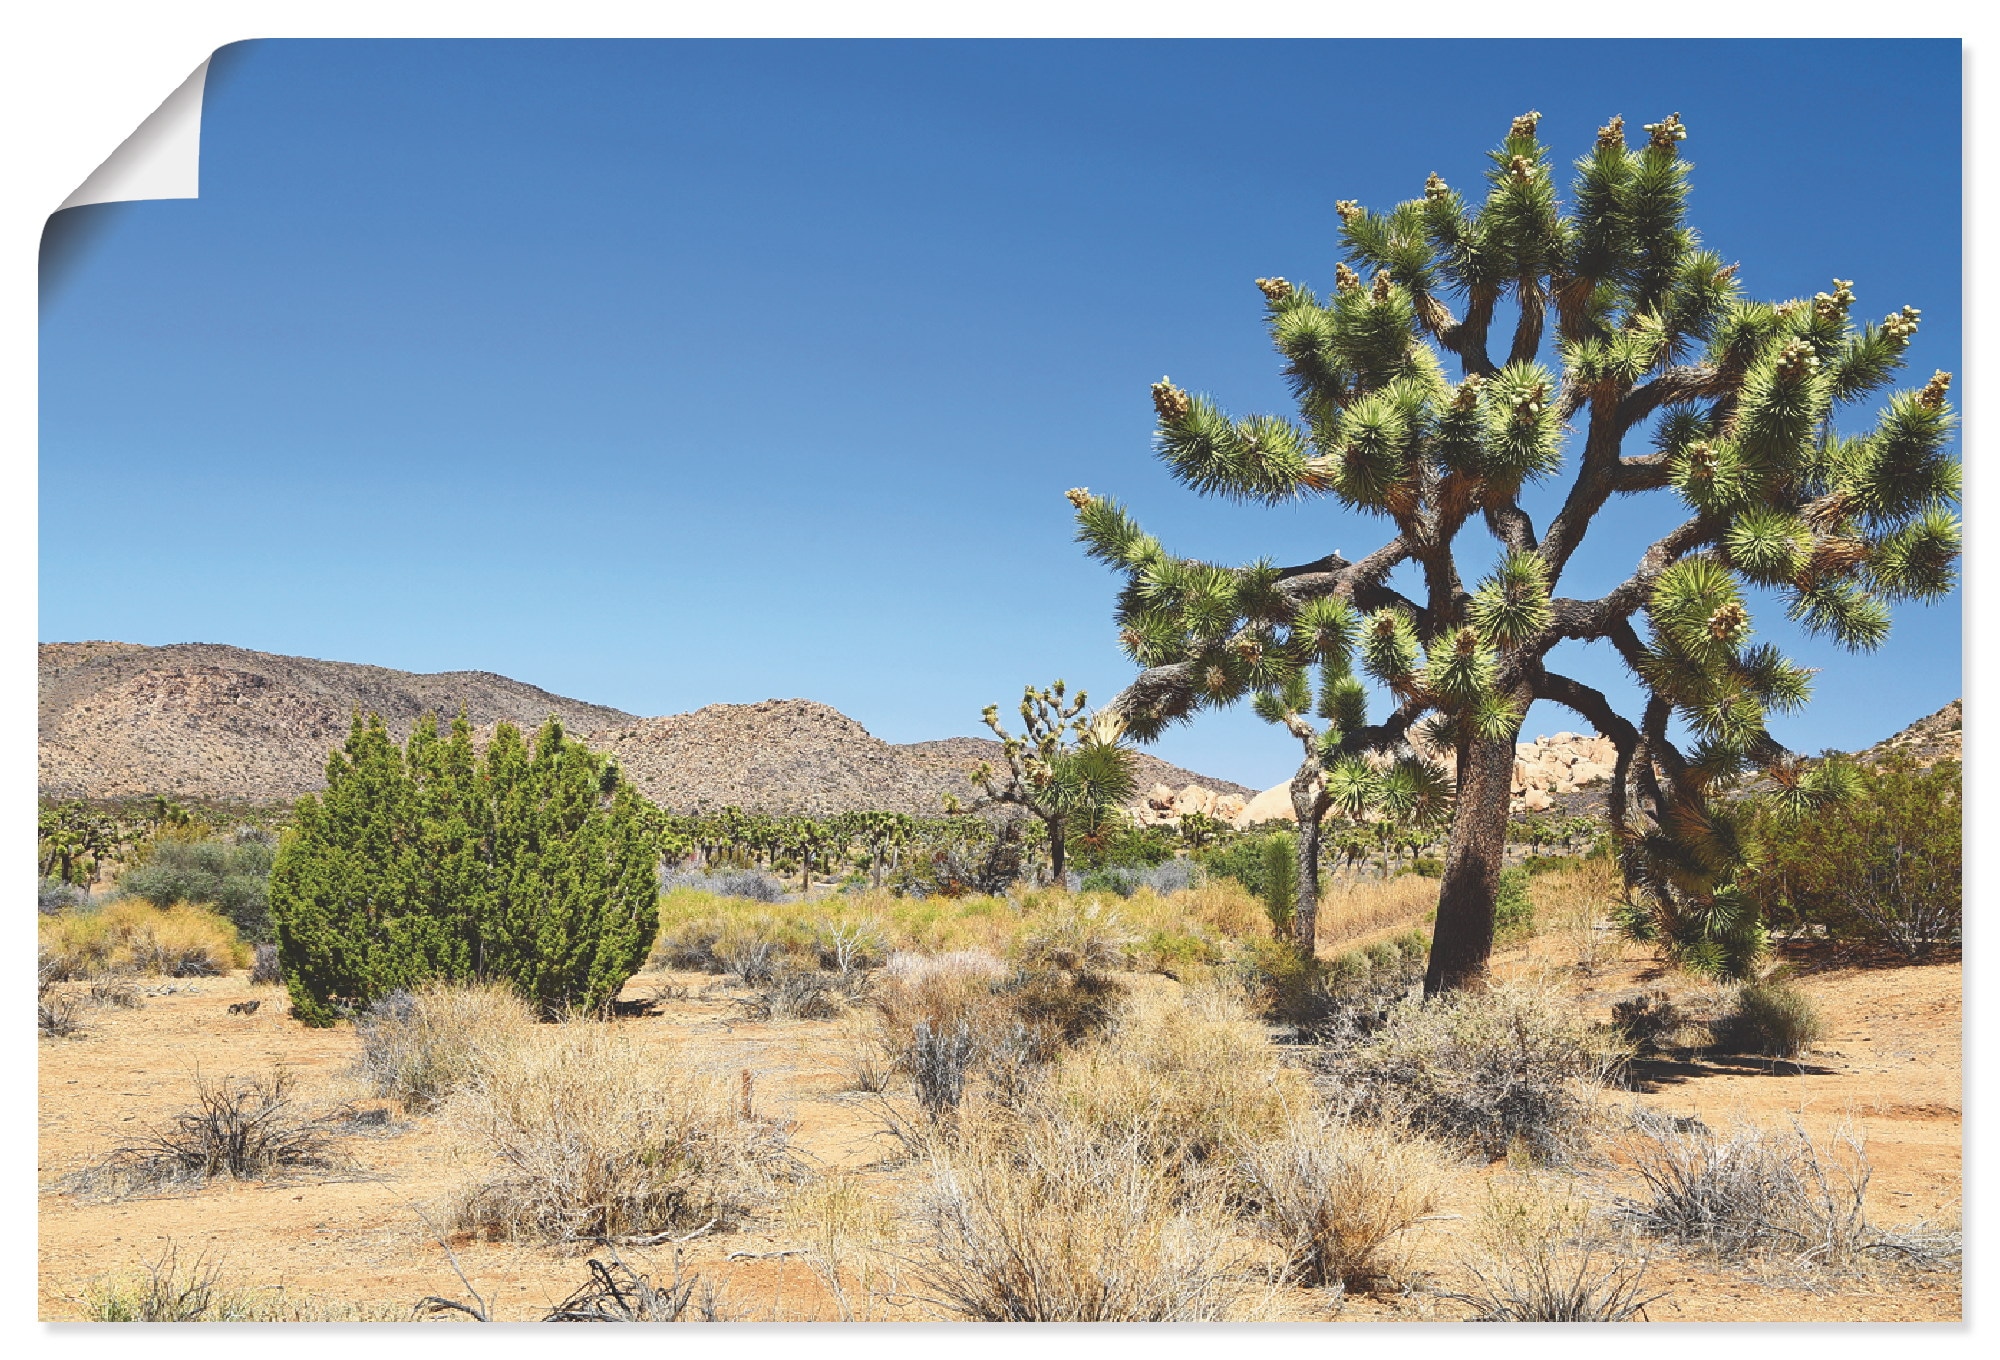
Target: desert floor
(1889,1063)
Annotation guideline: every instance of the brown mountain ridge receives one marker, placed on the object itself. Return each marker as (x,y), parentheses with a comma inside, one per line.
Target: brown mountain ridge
(217,724)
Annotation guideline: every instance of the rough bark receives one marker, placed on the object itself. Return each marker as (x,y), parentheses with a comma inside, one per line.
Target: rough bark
(1309,803)
(1463,937)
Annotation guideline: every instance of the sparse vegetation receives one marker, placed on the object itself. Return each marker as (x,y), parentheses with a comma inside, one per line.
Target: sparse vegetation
(1340,1197)
(593,1138)
(1784,1192)
(171,1289)
(1543,1257)
(1512,1067)
(241,1128)
(417,1047)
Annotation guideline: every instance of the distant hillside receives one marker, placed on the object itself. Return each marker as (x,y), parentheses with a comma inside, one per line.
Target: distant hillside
(199,720)
(220,724)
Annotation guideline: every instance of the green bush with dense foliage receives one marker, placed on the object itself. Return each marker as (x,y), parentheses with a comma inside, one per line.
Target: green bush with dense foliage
(1886,866)
(529,864)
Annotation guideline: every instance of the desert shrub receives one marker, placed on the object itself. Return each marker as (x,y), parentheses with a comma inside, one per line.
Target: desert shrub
(790,994)
(264,968)
(1348,993)
(1182,1075)
(116,992)
(1338,1197)
(53,897)
(753,958)
(134,936)
(1513,1065)
(1513,908)
(849,946)
(241,1128)
(173,1290)
(752,885)
(1120,843)
(1773,1017)
(1758,1190)
(690,944)
(1649,1021)
(1427,866)
(1885,866)
(58,1013)
(938,1060)
(230,874)
(1039,1220)
(1543,1256)
(532,863)
(1079,938)
(596,1137)
(417,1047)
(1174,875)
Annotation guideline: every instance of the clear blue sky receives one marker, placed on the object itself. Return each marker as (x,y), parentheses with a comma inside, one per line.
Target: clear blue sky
(672,373)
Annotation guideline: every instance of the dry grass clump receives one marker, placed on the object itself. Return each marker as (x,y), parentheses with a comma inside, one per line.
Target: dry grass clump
(1574,904)
(1340,1197)
(1509,1067)
(1544,1257)
(1351,909)
(846,1229)
(242,1128)
(418,1046)
(1773,1018)
(1040,1220)
(1184,1075)
(1782,1192)
(595,1138)
(133,936)
(171,1290)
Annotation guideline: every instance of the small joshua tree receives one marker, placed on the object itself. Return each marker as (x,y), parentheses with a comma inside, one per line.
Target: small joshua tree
(1651,335)
(1064,770)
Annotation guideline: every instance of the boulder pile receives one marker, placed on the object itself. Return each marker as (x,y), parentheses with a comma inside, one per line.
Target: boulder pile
(1559,764)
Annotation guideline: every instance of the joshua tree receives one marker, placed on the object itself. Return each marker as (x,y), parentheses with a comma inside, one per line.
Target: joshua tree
(1740,403)
(1064,770)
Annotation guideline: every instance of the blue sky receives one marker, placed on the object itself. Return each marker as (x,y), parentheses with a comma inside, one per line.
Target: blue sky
(673,373)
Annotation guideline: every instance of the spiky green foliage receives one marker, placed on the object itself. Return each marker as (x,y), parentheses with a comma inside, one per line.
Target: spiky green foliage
(1623,327)
(532,864)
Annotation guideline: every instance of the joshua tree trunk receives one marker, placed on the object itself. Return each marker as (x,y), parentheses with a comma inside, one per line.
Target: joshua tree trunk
(1464,934)
(1309,804)
(1055,826)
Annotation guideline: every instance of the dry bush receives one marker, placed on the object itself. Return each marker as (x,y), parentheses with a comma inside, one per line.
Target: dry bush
(170,1290)
(1574,903)
(1350,910)
(1080,938)
(791,994)
(133,936)
(243,1128)
(1340,1197)
(597,1138)
(1184,1075)
(1513,1065)
(617,1293)
(416,1047)
(115,992)
(1040,1220)
(1781,1192)
(942,993)
(1543,1257)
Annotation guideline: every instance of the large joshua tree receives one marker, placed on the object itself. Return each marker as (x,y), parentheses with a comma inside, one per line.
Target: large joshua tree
(1736,410)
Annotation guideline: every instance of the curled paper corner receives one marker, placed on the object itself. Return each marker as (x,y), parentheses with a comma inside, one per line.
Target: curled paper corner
(161,159)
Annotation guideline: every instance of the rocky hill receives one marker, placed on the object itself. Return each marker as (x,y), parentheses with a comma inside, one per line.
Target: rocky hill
(1928,740)
(197,720)
(219,724)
